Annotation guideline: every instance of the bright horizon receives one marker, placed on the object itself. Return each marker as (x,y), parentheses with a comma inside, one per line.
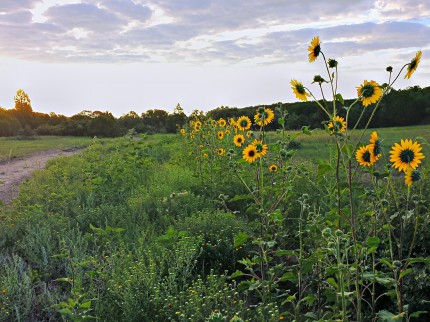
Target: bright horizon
(124,55)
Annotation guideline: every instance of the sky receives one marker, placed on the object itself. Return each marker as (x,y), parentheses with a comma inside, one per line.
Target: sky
(136,55)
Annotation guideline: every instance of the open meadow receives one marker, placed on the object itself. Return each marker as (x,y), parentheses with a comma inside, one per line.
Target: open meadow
(186,228)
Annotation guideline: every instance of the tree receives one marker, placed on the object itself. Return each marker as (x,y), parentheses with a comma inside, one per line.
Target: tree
(22,102)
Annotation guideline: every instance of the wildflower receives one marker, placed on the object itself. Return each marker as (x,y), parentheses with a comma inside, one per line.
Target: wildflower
(222,122)
(338,124)
(375,145)
(183,132)
(249,134)
(364,156)
(412,66)
(332,63)
(205,155)
(261,148)
(221,151)
(406,155)
(220,135)
(243,123)
(238,140)
(412,176)
(264,117)
(314,49)
(273,168)
(250,153)
(299,90)
(369,92)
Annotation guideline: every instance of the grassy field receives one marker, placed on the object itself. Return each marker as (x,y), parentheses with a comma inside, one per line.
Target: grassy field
(319,145)
(11,148)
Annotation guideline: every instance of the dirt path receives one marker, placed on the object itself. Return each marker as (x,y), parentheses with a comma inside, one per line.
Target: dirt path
(13,172)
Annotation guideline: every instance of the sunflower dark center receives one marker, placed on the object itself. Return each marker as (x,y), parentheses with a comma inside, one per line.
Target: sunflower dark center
(300,89)
(416,176)
(407,156)
(366,156)
(259,147)
(368,90)
(413,64)
(239,140)
(251,153)
(338,124)
(243,123)
(317,50)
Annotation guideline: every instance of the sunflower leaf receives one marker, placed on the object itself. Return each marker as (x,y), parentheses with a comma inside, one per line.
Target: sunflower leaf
(340,99)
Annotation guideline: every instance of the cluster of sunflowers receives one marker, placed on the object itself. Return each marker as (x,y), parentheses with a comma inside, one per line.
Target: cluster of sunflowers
(405,156)
(235,133)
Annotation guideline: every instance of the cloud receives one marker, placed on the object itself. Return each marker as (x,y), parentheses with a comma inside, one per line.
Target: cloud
(203,31)
(16,5)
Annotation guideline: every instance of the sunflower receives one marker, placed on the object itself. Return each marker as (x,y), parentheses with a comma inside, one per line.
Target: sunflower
(314,49)
(273,168)
(238,140)
(249,134)
(220,151)
(243,123)
(231,121)
(264,117)
(364,156)
(227,132)
(412,176)
(222,122)
(412,66)
(369,92)
(406,155)
(299,90)
(261,148)
(250,153)
(220,135)
(375,145)
(197,126)
(183,132)
(338,124)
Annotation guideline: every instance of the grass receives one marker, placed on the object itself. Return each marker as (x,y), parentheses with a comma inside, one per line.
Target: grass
(319,145)
(12,148)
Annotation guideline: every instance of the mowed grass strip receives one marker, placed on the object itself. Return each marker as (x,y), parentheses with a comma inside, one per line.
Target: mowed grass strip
(12,148)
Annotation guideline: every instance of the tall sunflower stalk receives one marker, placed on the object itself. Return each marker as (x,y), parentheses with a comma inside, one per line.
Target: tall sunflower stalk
(368,93)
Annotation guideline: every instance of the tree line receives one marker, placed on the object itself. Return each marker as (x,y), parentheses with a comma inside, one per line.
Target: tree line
(410,106)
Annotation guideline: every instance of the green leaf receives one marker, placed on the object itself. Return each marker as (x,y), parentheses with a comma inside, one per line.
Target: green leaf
(65,311)
(390,317)
(406,272)
(65,279)
(281,121)
(372,243)
(306,131)
(59,256)
(417,314)
(241,197)
(386,262)
(340,99)
(85,305)
(289,299)
(240,239)
(236,274)
(289,276)
(332,282)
